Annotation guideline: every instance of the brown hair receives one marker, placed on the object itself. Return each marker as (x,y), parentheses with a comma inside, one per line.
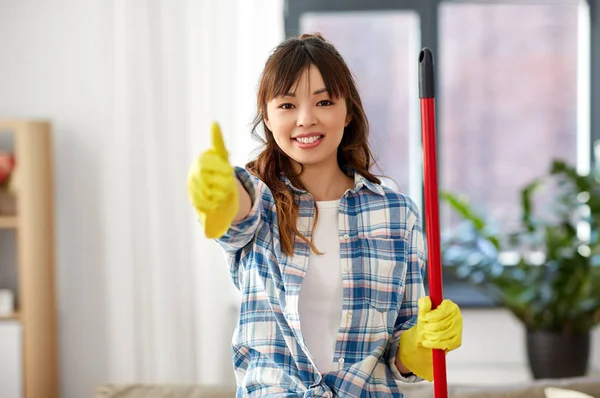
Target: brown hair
(282,70)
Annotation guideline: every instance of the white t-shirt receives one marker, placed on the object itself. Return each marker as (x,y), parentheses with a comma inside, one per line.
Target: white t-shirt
(321,296)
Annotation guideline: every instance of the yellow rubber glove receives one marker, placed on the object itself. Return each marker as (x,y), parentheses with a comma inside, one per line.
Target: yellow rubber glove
(440,329)
(212,187)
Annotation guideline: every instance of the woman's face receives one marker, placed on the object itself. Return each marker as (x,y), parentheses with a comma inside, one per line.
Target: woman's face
(307,123)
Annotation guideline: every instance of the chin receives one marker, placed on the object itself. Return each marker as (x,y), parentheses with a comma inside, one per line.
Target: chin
(310,160)
(311,157)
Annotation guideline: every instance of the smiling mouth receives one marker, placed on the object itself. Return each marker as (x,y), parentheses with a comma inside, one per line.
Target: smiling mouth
(308,140)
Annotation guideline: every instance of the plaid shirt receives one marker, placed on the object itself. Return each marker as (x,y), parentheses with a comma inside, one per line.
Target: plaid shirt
(382,258)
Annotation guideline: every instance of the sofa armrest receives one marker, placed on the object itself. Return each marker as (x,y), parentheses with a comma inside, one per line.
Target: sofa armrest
(163,391)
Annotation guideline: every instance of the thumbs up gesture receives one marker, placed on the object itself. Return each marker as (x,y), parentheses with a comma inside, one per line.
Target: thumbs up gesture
(212,187)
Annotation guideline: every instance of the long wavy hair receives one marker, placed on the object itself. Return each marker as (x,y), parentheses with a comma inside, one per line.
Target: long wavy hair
(282,70)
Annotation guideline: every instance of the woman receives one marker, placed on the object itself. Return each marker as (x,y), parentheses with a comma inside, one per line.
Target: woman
(329,262)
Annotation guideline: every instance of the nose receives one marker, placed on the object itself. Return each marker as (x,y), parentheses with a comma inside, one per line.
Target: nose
(306,118)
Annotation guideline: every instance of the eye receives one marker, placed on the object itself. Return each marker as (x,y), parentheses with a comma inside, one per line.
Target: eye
(286,106)
(324,103)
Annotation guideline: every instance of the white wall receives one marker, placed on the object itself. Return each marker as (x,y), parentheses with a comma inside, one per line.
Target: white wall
(53,65)
(56,62)
(63,60)
(493,349)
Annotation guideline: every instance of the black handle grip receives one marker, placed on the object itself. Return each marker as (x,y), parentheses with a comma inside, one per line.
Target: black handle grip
(426,81)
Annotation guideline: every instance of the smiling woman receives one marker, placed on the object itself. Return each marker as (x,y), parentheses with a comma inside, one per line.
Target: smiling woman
(332,304)
(287,109)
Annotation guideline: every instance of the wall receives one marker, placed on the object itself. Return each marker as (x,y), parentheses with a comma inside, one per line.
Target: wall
(57,62)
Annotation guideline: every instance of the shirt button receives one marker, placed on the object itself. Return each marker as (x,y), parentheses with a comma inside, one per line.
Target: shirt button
(348,315)
(346,236)
(341,360)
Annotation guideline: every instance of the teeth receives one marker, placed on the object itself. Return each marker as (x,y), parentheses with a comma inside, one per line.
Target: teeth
(308,140)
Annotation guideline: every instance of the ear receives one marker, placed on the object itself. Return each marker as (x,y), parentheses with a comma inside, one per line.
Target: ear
(348,120)
(267,123)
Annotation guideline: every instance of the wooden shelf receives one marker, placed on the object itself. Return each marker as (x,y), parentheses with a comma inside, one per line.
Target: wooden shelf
(34,254)
(12,125)
(9,222)
(10,317)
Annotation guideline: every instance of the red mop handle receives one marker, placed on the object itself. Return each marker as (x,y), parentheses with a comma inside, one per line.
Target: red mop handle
(432,223)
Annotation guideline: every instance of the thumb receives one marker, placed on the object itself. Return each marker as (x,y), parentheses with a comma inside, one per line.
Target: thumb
(217,142)
(424,306)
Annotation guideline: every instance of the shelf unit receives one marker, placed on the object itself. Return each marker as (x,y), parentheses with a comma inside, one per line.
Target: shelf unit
(11,317)
(8,222)
(33,227)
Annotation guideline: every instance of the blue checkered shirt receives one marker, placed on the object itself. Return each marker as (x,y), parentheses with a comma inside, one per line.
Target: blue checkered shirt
(382,260)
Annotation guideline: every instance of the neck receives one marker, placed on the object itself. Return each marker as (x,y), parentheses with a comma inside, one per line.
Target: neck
(325,183)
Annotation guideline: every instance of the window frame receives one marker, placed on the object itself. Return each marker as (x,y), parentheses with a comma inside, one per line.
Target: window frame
(464,294)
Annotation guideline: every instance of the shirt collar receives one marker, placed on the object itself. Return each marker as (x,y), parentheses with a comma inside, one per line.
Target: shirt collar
(360,182)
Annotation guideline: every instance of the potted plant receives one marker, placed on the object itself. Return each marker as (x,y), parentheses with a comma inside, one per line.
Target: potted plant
(554,286)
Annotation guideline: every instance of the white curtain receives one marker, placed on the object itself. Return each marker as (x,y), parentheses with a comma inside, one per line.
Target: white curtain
(177,66)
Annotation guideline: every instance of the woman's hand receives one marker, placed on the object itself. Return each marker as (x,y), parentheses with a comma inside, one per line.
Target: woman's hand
(213,187)
(439,329)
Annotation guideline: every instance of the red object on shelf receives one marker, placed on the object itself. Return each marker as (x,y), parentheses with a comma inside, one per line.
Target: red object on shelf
(7,165)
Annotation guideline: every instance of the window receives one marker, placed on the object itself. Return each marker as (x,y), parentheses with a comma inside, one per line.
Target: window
(515,85)
(380,48)
(508,99)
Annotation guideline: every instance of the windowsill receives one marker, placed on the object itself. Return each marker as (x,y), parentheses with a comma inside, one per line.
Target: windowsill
(467,296)
(499,375)
(464,294)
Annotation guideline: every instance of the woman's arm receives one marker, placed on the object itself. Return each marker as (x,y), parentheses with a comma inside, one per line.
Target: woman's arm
(245,202)
(404,371)
(413,290)
(248,218)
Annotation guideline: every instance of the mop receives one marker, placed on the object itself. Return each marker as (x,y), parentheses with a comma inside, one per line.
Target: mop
(432,225)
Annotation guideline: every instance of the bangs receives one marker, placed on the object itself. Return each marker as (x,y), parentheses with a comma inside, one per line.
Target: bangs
(293,63)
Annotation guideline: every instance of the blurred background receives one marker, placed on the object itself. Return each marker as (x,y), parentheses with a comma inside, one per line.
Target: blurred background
(130,88)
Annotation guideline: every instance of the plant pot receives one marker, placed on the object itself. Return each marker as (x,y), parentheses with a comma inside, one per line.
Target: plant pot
(554,355)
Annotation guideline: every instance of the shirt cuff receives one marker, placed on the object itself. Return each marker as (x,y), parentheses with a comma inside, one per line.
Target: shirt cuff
(244,177)
(240,233)
(413,378)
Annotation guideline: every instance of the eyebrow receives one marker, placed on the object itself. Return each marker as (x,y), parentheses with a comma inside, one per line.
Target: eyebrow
(319,91)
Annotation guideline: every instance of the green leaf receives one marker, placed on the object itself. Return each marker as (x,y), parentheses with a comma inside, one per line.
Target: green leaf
(464,209)
(563,293)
